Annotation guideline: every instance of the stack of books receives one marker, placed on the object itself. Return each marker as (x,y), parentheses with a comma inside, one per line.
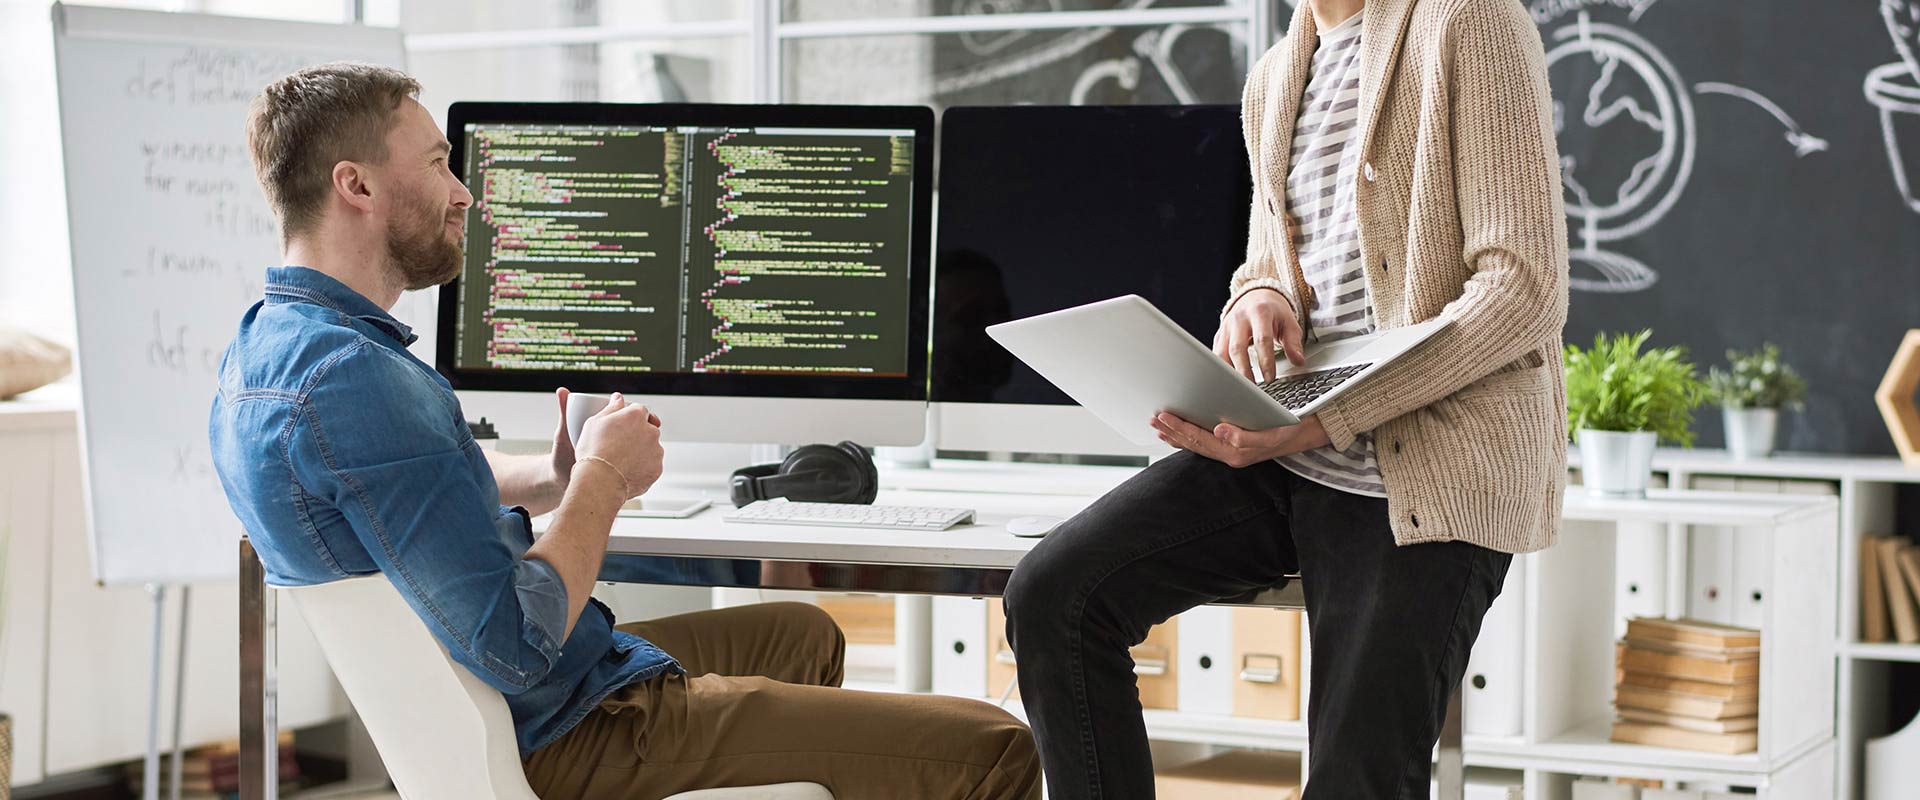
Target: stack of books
(1688,685)
(213,772)
(1889,590)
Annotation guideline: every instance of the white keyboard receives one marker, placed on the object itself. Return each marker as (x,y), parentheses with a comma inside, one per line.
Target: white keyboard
(849,515)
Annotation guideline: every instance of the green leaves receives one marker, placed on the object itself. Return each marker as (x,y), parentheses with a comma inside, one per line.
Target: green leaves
(1756,379)
(1616,387)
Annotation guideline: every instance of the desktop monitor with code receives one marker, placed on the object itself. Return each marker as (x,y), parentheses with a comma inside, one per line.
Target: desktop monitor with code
(755,273)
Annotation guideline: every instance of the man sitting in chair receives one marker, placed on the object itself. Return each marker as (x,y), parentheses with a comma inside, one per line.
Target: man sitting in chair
(344,455)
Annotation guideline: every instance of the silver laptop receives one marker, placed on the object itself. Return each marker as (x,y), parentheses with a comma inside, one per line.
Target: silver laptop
(1125,361)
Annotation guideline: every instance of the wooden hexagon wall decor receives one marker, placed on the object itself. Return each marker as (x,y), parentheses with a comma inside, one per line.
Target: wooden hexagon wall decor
(1895,398)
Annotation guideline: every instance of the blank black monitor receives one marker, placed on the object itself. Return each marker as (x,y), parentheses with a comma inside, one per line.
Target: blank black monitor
(1044,208)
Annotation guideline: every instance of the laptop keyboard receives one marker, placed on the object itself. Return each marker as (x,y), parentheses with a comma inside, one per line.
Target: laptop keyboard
(1296,391)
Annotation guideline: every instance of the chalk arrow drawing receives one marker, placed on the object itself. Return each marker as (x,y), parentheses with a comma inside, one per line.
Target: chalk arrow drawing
(1804,143)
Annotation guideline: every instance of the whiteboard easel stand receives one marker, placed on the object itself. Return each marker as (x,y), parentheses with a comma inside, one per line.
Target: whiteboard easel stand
(179,693)
(150,772)
(150,787)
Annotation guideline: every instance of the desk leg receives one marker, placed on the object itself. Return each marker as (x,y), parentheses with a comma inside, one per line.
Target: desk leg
(259,727)
(1451,775)
(913,642)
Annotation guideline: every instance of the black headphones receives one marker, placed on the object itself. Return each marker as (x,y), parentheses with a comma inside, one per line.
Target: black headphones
(816,473)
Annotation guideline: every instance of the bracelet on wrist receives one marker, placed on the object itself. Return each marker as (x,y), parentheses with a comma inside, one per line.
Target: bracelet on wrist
(626,486)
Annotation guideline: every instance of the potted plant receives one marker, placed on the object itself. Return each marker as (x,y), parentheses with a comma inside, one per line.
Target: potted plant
(1621,402)
(1751,392)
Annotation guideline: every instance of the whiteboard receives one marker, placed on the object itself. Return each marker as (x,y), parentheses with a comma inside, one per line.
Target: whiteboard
(171,240)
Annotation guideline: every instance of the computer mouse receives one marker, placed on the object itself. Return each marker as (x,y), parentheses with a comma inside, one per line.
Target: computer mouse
(1033,526)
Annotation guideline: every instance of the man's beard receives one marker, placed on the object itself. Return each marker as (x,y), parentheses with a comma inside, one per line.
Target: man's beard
(424,258)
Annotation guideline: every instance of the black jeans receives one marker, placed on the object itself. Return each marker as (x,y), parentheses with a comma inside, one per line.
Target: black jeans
(1391,626)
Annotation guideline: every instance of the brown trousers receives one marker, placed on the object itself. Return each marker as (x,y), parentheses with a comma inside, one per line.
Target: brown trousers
(761,704)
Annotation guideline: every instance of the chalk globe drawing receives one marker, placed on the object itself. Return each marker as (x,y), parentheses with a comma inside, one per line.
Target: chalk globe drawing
(1630,70)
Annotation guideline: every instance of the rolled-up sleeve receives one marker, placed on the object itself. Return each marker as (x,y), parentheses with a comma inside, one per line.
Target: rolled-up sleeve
(376,442)
(543,599)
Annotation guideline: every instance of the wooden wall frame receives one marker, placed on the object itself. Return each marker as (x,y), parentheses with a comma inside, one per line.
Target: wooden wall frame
(1896,401)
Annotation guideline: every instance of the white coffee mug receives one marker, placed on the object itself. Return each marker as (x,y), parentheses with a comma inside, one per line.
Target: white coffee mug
(580,406)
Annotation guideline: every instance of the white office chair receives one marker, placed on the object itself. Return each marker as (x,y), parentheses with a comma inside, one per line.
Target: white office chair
(441,731)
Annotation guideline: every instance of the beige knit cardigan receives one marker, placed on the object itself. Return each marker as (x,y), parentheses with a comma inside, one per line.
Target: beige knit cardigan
(1459,206)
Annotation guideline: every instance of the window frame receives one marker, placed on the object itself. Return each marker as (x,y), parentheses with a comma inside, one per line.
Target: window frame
(767,31)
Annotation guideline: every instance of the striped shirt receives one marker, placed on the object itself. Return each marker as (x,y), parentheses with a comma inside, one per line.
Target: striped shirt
(1326,234)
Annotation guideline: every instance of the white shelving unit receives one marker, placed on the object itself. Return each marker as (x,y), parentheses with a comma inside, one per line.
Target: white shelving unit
(1793,547)
(1862,651)
(1572,614)
(1552,762)
(1571,618)
(1864,487)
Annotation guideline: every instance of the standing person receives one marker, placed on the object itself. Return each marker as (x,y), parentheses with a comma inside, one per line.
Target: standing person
(1404,170)
(344,455)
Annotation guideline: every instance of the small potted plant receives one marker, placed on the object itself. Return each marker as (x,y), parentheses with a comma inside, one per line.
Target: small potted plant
(1621,402)
(1751,392)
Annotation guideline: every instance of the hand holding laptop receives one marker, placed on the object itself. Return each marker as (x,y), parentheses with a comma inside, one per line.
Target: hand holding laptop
(1238,447)
(1256,322)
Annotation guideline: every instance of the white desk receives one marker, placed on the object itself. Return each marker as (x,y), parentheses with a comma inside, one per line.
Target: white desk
(986,544)
(983,544)
(970,560)
(975,560)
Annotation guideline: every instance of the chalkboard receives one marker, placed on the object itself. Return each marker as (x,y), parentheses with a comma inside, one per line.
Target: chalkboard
(171,239)
(1740,172)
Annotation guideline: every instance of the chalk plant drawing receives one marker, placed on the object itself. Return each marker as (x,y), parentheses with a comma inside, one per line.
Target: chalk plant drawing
(1895,89)
(1635,99)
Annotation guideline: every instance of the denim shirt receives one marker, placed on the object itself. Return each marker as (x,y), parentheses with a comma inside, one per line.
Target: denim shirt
(345,455)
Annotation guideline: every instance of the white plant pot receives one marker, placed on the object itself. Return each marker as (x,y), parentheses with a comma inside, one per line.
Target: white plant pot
(1750,431)
(1616,463)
